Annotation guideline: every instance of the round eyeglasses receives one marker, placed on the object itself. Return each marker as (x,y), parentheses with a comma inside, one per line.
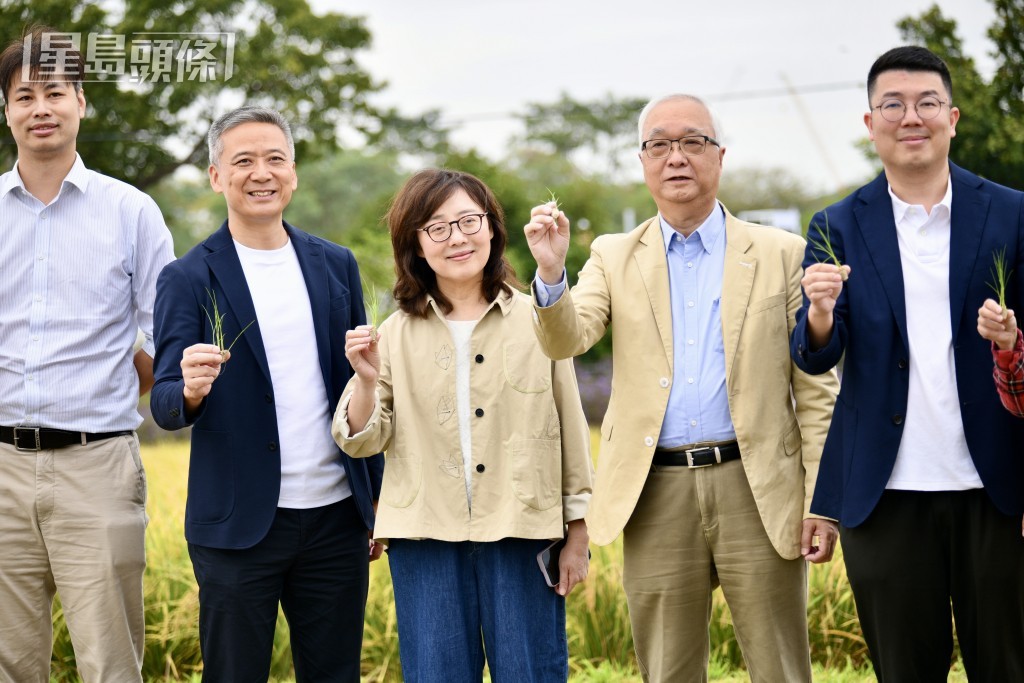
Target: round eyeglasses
(691,146)
(469,224)
(894,110)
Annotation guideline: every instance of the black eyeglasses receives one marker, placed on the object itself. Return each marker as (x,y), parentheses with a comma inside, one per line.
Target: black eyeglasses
(469,224)
(691,146)
(894,110)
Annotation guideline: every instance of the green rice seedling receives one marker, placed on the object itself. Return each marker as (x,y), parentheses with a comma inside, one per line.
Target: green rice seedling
(217,324)
(824,244)
(552,198)
(377,306)
(1001,273)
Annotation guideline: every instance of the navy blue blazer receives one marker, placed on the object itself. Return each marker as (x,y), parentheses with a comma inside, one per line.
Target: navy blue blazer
(871,327)
(234,478)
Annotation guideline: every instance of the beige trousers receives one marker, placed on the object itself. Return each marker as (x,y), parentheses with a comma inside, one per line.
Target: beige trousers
(73,521)
(693,530)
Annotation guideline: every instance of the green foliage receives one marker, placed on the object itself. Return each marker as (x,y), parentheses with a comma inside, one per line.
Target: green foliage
(603,127)
(142,134)
(990,133)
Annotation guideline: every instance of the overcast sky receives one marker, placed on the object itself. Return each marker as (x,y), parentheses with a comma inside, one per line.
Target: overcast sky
(480,61)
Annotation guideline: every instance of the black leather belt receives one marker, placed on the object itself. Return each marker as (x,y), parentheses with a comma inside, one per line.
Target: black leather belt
(45,438)
(697,455)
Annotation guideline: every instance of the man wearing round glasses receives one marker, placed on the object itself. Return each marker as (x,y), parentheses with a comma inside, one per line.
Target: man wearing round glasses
(711,440)
(922,466)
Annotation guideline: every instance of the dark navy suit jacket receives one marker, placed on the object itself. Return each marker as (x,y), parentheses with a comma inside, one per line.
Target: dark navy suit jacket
(871,327)
(234,478)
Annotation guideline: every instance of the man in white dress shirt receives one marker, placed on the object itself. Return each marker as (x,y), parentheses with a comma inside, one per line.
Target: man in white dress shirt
(80,254)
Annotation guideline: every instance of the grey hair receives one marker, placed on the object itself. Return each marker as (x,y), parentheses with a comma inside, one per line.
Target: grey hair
(649,107)
(247,114)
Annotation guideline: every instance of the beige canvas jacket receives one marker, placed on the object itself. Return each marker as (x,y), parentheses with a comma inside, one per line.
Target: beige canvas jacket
(531,470)
(781,414)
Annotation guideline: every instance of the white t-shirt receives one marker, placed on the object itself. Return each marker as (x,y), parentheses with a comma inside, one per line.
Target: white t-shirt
(462,333)
(311,472)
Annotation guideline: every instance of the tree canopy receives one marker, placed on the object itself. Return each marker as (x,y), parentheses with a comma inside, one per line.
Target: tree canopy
(284,56)
(990,133)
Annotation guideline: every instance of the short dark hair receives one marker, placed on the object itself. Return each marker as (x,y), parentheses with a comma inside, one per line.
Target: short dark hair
(246,114)
(13,59)
(411,208)
(910,58)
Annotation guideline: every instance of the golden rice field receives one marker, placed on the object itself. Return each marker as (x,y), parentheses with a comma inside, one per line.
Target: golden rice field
(600,643)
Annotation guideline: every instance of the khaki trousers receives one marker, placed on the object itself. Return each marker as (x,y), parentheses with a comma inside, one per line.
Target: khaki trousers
(693,530)
(73,521)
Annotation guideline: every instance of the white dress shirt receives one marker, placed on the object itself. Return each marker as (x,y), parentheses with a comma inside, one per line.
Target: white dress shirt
(79,278)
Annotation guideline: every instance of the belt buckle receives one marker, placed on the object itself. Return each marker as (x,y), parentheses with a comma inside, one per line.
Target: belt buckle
(701,451)
(33,433)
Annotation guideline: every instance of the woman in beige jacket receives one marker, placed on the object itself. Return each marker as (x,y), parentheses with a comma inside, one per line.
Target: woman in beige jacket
(487,447)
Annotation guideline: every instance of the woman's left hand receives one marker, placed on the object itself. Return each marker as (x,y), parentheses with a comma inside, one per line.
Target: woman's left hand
(574,560)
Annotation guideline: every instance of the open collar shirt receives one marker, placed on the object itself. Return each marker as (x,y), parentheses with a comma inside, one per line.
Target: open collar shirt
(79,278)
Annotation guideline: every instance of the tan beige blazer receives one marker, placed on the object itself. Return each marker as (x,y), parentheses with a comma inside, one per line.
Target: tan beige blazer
(781,414)
(530,440)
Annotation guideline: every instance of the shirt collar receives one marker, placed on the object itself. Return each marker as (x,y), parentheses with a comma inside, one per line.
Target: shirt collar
(77,176)
(504,302)
(900,207)
(708,233)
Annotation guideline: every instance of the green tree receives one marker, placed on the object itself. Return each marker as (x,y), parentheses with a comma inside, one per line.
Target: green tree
(285,57)
(990,133)
(603,128)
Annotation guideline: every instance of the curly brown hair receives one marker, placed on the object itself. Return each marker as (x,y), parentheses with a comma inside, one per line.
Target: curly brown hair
(411,208)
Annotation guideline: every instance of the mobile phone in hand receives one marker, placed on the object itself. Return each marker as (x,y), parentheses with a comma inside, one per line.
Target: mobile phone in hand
(548,561)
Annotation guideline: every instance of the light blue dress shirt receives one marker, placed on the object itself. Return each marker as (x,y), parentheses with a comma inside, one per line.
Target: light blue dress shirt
(698,403)
(79,279)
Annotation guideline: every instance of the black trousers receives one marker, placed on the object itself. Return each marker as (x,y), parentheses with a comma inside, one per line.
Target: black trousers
(920,552)
(315,563)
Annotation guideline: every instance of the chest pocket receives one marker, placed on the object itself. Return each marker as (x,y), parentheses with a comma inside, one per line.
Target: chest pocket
(526,368)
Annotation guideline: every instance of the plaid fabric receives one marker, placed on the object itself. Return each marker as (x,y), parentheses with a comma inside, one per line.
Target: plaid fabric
(1009,375)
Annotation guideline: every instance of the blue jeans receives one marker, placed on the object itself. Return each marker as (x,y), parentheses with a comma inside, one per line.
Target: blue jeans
(456,600)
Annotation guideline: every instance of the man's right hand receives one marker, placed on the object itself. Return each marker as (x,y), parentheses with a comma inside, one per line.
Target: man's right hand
(200,366)
(548,238)
(822,283)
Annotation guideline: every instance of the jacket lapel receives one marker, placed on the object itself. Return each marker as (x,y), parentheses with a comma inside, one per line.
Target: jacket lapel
(737,283)
(226,269)
(967,222)
(314,271)
(651,261)
(877,226)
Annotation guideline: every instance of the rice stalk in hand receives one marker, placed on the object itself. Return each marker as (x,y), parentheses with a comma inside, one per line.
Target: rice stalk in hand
(1001,273)
(557,210)
(216,320)
(375,308)
(824,244)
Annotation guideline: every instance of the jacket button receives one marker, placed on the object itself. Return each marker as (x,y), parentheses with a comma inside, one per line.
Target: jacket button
(648,441)
(663,382)
(272,446)
(268,398)
(175,412)
(479,358)
(479,412)
(897,419)
(480,468)
(903,364)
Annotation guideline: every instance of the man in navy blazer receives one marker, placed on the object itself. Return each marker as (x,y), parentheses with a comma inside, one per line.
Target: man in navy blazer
(922,467)
(275,512)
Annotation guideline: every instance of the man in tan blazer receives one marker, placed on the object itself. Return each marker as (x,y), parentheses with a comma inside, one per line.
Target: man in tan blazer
(710,445)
